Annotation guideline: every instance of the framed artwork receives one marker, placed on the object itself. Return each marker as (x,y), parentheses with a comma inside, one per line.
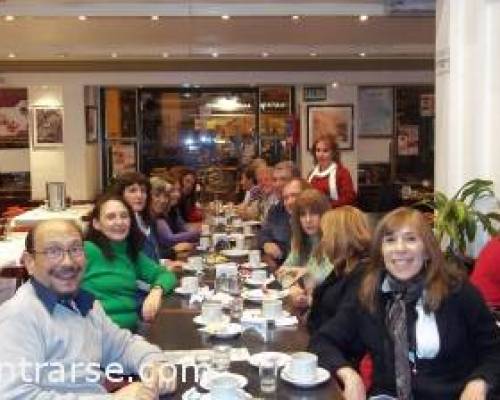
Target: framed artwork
(14,118)
(91,124)
(47,127)
(314,93)
(122,157)
(376,111)
(333,119)
(408,140)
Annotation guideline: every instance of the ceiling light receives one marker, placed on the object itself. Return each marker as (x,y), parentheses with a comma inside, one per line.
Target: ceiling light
(82,18)
(165,55)
(61,55)
(215,54)
(313,54)
(362,54)
(9,18)
(363,18)
(225,17)
(11,55)
(265,54)
(155,18)
(335,85)
(114,55)
(295,17)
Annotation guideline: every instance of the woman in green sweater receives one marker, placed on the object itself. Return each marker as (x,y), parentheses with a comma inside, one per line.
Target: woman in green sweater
(115,262)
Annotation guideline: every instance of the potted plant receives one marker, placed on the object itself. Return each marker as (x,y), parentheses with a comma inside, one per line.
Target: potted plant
(456,219)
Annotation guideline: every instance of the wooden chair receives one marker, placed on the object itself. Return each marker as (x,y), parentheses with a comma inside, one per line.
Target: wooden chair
(19,273)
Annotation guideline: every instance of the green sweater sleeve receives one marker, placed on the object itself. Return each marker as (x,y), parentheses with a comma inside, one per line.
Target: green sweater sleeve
(154,274)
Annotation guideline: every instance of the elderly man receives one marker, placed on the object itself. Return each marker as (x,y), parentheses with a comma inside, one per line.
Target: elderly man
(56,341)
(275,236)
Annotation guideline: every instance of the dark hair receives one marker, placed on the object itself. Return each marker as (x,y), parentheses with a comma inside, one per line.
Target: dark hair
(121,182)
(135,237)
(332,144)
(249,173)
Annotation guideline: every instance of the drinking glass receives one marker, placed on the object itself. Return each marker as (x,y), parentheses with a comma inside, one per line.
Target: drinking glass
(234,285)
(236,308)
(268,372)
(221,358)
(203,363)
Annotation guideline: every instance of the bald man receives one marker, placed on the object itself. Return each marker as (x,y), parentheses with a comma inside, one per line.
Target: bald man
(55,338)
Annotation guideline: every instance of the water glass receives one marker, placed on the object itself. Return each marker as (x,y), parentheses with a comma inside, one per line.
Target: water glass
(221,283)
(234,285)
(268,372)
(221,359)
(236,308)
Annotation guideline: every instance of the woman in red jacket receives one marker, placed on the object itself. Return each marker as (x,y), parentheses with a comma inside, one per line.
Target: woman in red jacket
(329,175)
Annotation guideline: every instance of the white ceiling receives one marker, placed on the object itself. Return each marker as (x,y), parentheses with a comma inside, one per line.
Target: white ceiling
(50,30)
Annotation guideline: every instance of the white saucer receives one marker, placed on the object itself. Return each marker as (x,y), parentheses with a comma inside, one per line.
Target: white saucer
(235,253)
(198,320)
(183,292)
(188,395)
(259,282)
(281,358)
(322,375)
(257,295)
(241,381)
(250,266)
(228,331)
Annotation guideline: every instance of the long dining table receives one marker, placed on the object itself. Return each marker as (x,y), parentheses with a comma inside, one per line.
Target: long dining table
(174,329)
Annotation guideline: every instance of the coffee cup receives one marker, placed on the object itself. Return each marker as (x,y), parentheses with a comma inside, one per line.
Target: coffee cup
(259,275)
(195,262)
(303,366)
(223,388)
(211,311)
(272,308)
(189,284)
(254,258)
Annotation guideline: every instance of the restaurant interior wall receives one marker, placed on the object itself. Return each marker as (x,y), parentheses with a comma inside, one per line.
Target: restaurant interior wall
(85,181)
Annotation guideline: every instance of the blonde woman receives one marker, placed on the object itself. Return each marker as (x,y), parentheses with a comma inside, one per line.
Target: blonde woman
(340,258)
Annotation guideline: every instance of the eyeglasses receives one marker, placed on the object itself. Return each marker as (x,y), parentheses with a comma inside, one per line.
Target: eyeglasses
(56,254)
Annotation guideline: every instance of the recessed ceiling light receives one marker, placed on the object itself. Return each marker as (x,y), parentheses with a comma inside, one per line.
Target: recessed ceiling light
(225,17)
(313,54)
(11,55)
(295,17)
(165,54)
(265,54)
(114,55)
(362,54)
(215,54)
(155,17)
(363,18)
(82,18)
(9,18)
(61,55)
(335,85)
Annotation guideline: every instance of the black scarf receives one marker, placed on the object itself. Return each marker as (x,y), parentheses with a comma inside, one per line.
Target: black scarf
(402,293)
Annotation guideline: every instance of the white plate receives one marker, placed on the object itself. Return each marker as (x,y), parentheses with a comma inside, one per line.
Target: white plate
(281,358)
(198,320)
(322,375)
(228,331)
(257,313)
(235,253)
(250,266)
(258,282)
(205,382)
(192,394)
(183,292)
(258,295)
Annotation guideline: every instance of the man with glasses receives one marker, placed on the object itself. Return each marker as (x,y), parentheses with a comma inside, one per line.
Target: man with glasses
(56,341)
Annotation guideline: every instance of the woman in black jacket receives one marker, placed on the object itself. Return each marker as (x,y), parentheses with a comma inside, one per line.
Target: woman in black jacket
(428,331)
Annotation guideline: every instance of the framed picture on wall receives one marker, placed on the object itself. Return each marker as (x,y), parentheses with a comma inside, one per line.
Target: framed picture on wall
(14,132)
(47,127)
(91,124)
(333,119)
(376,111)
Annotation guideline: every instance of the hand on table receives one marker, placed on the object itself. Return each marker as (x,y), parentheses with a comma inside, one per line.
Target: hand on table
(174,265)
(474,390)
(287,276)
(354,388)
(136,391)
(152,304)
